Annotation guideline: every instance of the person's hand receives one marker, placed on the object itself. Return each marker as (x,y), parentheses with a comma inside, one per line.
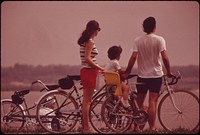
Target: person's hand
(124,75)
(170,75)
(101,69)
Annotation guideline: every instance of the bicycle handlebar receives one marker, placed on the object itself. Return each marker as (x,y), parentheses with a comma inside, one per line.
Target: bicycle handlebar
(39,81)
(174,79)
(53,87)
(131,76)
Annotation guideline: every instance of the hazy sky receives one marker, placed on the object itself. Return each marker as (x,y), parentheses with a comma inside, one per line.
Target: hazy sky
(46,32)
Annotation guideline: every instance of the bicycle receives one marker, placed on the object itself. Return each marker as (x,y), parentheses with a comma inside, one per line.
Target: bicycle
(95,116)
(67,109)
(173,110)
(15,113)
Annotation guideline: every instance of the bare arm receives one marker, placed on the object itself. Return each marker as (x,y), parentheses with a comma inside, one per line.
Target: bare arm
(89,46)
(120,71)
(131,62)
(166,62)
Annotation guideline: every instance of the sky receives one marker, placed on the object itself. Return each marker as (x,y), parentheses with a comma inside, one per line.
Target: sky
(46,32)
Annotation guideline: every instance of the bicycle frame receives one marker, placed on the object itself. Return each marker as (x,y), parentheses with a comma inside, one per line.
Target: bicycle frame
(170,91)
(68,109)
(25,111)
(77,98)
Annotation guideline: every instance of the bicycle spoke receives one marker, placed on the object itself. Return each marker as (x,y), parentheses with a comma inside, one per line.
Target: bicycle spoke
(95,114)
(115,117)
(61,117)
(11,116)
(171,119)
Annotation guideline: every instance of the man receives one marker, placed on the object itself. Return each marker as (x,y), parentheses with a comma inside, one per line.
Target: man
(147,49)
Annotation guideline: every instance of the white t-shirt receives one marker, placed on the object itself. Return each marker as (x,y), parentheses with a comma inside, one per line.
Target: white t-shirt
(149,48)
(112,65)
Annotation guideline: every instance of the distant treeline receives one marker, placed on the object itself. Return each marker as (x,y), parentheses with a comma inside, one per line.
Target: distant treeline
(22,74)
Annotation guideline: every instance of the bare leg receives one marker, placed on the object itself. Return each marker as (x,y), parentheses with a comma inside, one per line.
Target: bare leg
(140,101)
(125,91)
(153,97)
(87,97)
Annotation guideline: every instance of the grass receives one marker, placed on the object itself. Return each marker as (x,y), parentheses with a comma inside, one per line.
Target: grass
(38,130)
(162,131)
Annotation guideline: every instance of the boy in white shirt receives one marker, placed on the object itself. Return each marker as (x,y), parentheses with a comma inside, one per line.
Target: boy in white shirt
(113,65)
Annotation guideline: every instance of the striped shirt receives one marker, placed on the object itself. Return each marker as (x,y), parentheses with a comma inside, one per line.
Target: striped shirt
(94,52)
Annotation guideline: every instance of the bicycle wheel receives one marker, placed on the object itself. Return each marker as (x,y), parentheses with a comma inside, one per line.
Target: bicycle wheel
(95,114)
(57,112)
(171,119)
(12,116)
(114,115)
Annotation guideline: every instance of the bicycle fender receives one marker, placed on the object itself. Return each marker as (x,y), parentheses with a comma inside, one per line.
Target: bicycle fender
(18,105)
(62,91)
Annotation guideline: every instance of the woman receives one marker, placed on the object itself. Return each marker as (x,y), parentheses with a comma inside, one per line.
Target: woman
(89,70)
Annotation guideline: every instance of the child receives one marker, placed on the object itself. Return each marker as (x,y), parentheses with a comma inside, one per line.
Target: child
(114,53)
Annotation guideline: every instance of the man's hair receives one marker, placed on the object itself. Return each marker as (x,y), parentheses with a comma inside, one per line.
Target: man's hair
(114,52)
(149,24)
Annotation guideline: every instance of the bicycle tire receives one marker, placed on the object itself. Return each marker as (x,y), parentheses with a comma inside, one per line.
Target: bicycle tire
(95,114)
(12,116)
(60,119)
(169,117)
(114,115)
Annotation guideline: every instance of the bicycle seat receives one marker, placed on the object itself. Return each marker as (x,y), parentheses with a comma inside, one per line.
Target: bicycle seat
(22,92)
(17,96)
(113,78)
(66,83)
